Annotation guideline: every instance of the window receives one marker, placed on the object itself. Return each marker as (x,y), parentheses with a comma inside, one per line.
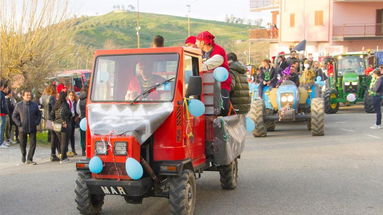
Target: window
(149,78)
(292,19)
(190,69)
(318,17)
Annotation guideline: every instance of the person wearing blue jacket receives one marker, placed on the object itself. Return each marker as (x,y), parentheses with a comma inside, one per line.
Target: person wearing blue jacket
(3,112)
(27,117)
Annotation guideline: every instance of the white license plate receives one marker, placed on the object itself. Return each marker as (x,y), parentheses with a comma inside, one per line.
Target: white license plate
(113,190)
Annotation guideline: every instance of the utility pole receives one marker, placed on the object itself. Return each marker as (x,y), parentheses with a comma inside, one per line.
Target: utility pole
(189,9)
(138,28)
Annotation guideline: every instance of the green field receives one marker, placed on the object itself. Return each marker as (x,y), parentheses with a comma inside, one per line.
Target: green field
(118,30)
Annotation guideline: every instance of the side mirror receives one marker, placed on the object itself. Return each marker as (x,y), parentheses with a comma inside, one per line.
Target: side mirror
(194,86)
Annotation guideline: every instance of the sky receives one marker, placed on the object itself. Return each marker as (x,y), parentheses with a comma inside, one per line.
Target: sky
(202,9)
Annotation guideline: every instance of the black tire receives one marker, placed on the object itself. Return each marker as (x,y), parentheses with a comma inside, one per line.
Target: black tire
(256,114)
(182,193)
(309,124)
(329,108)
(87,203)
(229,175)
(317,117)
(270,125)
(368,103)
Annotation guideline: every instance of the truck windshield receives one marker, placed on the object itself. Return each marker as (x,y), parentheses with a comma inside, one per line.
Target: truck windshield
(123,78)
(351,64)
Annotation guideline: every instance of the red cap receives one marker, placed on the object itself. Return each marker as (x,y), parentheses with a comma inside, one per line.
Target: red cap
(207,37)
(281,53)
(191,40)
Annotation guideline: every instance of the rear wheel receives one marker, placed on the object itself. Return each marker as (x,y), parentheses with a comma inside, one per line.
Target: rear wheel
(182,193)
(317,117)
(330,107)
(270,125)
(256,114)
(368,103)
(86,202)
(229,175)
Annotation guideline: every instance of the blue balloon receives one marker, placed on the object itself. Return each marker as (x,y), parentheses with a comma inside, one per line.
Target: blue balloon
(250,124)
(83,124)
(318,78)
(221,74)
(133,168)
(196,107)
(95,165)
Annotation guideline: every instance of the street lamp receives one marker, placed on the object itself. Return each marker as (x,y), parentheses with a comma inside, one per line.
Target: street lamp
(138,28)
(189,9)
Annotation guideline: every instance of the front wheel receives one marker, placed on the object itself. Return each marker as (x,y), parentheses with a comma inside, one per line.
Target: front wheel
(229,175)
(317,117)
(182,193)
(87,203)
(331,107)
(256,113)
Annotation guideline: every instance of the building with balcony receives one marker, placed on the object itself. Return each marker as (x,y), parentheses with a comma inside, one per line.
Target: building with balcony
(328,26)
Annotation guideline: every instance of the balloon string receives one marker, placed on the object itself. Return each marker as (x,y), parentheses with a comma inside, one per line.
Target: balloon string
(188,126)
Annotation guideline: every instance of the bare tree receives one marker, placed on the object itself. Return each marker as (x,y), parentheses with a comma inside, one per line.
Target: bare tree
(35,40)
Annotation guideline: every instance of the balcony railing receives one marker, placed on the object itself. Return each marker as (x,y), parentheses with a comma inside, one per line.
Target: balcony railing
(359,31)
(264,34)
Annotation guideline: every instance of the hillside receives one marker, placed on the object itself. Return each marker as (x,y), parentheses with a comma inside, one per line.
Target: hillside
(118,30)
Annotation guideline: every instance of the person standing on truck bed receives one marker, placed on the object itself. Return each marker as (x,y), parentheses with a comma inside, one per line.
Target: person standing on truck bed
(158,41)
(215,56)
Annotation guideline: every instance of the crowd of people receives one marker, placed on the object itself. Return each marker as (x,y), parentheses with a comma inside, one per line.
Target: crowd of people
(22,118)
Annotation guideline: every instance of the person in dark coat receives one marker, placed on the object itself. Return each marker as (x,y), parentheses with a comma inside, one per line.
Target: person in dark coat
(55,143)
(10,126)
(377,92)
(240,93)
(27,117)
(61,115)
(3,113)
(72,102)
(268,76)
(81,111)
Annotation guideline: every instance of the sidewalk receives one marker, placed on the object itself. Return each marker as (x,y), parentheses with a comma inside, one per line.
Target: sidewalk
(11,157)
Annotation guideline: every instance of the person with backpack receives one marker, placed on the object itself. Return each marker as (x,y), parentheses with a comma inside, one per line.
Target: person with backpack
(240,93)
(376,90)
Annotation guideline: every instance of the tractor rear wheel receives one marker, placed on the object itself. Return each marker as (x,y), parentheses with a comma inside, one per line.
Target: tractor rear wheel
(182,193)
(87,203)
(317,117)
(368,103)
(229,175)
(256,114)
(330,108)
(270,124)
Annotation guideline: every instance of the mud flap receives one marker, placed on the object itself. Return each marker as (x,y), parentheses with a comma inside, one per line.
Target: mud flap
(229,138)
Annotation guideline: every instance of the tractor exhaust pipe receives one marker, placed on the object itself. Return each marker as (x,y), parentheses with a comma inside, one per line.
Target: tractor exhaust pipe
(149,169)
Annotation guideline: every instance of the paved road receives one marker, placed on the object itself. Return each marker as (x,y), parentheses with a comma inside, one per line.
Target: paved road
(288,172)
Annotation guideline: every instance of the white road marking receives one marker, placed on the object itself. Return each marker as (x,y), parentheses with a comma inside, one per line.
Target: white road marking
(373,136)
(345,129)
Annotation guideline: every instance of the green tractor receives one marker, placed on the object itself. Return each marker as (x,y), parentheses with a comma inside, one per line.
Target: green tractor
(349,84)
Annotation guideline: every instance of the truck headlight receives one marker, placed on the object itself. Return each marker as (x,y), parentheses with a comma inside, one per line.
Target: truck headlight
(354,83)
(120,148)
(101,147)
(284,98)
(290,98)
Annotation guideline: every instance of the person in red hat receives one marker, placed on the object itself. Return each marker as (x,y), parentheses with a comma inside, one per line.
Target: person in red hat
(190,41)
(215,56)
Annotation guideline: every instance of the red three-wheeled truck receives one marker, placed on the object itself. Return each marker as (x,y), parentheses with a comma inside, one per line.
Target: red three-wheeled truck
(145,137)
